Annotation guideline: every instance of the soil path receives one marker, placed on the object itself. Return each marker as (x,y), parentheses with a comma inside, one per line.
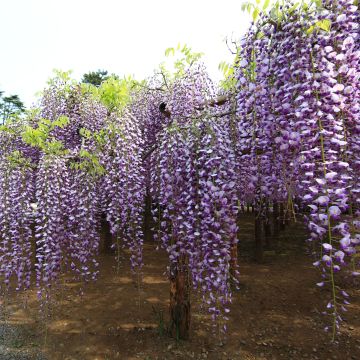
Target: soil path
(274,315)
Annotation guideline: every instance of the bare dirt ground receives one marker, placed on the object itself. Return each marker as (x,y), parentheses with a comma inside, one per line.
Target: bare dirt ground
(276,314)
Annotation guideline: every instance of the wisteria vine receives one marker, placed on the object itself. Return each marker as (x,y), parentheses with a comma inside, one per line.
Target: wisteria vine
(298,81)
(291,132)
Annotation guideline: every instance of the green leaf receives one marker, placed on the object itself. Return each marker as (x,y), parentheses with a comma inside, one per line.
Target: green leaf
(324,25)
(61,122)
(260,35)
(293,8)
(247,6)
(170,51)
(255,14)
(266,4)
(310,30)
(224,67)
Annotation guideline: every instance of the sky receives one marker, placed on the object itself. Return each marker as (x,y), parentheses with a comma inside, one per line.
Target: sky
(123,37)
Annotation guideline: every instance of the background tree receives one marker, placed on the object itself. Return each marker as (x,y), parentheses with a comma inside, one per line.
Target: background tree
(10,105)
(95,77)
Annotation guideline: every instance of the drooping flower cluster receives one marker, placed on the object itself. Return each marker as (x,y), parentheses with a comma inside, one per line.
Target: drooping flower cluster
(123,184)
(295,134)
(67,199)
(299,109)
(52,176)
(51,236)
(193,181)
(16,217)
(16,212)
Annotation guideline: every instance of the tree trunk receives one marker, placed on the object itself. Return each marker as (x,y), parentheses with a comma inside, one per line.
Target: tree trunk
(259,232)
(234,273)
(282,216)
(287,215)
(276,222)
(180,309)
(267,226)
(147,218)
(105,236)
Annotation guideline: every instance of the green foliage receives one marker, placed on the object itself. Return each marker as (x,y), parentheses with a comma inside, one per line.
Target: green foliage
(275,13)
(254,8)
(324,25)
(228,70)
(61,77)
(10,106)
(184,57)
(40,136)
(8,128)
(114,93)
(63,81)
(89,163)
(95,78)
(99,137)
(16,160)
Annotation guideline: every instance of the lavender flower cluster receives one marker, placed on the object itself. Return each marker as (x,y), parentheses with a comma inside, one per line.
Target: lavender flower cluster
(298,108)
(55,184)
(192,179)
(295,134)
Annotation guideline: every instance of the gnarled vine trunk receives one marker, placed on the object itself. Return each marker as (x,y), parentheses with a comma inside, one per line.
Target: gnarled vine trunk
(106,236)
(276,222)
(180,307)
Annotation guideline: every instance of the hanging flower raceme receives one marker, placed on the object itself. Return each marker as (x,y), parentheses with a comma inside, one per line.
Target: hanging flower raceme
(197,221)
(53,153)
(123,184)
(82,109)
(16,218)
(194,183)
(66,198)
(82,224)
(52,190)
(145,109)
(55,161)
(333,186)
(298,83)
(218,213)
(16,203)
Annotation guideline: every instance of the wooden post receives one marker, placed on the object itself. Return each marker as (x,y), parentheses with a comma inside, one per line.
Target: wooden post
(180,309)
